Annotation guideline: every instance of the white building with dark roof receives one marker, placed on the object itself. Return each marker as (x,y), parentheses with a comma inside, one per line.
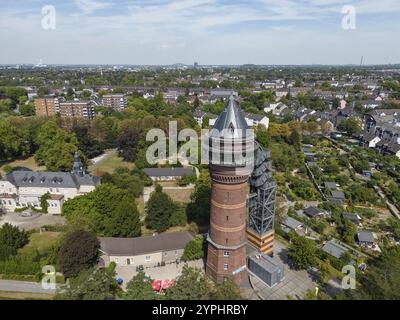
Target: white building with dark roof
(20,189)
(145,251)
(167,174)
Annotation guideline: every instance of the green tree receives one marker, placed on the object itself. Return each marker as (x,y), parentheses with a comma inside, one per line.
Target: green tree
(13,141)
(194,249)
(56,147)
(192,284)
(350,125)
(43,202)
(295,139)
(108,211)
(159,210)
(139,288)
(382,280)
(302,251)
(6,252)
(27,110)
(198,210)
(12,237)
(228,290)
(93,284)
(78,251)
(128,140)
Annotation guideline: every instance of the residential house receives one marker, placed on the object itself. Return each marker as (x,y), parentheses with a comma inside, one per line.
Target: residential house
(292,224)
(154,250)
(312,212)
(366,238)
(20,189)
(355,218)
(334,249)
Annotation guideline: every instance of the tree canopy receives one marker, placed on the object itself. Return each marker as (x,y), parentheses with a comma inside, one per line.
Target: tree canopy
(78,251)
(107,211)
(159,210)
(302,251)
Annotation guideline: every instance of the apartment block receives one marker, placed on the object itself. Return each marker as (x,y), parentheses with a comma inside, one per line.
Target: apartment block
(115,101)
(46,107)
(73,109)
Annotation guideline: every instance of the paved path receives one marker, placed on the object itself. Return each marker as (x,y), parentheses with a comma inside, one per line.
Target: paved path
(391,206)
(23,286)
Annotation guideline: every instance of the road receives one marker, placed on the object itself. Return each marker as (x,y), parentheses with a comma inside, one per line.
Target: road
(23,286)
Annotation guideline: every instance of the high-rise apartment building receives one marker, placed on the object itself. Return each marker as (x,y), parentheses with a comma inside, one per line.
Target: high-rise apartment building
(116,101)
(47,107)
(74,109)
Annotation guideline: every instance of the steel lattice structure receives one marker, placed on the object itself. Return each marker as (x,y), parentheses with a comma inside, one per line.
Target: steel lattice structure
(261,201)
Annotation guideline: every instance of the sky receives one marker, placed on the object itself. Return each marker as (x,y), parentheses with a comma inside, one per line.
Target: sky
(211,32)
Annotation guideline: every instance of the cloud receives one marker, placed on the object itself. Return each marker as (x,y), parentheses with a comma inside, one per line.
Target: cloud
(210,31)
(90,6)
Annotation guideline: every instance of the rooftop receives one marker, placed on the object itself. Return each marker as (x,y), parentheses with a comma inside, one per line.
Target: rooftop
(266,262)
(334,249)
(366,236)
(168,172)
(142,245)
(22,178)
(292,223)
(231,123)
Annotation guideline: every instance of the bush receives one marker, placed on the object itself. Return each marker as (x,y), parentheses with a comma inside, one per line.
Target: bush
(27,264)
(11,236)
(178,217)
(6,252)
(194,249)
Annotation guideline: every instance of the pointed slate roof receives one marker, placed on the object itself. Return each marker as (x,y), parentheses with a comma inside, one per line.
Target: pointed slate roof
(231,122)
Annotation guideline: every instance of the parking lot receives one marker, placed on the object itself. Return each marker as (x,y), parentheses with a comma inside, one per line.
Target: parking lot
(35,221)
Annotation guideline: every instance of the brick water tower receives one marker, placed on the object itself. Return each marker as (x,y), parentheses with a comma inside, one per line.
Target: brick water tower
(231,162)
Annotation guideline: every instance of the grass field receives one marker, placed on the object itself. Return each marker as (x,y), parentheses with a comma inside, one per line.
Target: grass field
(42,241)
(140,205)
(27,163)
(180,195)
(7,295)
(110,164)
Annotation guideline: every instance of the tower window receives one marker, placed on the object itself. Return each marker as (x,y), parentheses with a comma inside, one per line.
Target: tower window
(226,267)
(227,218)
(226,253)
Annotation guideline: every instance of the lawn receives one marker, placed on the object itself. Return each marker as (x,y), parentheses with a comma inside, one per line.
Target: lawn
(29,163)
(180,195)
(110,164)
(8,295)
(140,205)
(41,241)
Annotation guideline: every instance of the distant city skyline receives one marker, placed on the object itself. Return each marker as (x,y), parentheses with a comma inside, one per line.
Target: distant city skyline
(210,32)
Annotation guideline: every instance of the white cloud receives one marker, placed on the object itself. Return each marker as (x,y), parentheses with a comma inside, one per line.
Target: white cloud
(211,31)
(89,6)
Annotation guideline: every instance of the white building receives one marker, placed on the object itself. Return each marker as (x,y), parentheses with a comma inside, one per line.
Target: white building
(20,189)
